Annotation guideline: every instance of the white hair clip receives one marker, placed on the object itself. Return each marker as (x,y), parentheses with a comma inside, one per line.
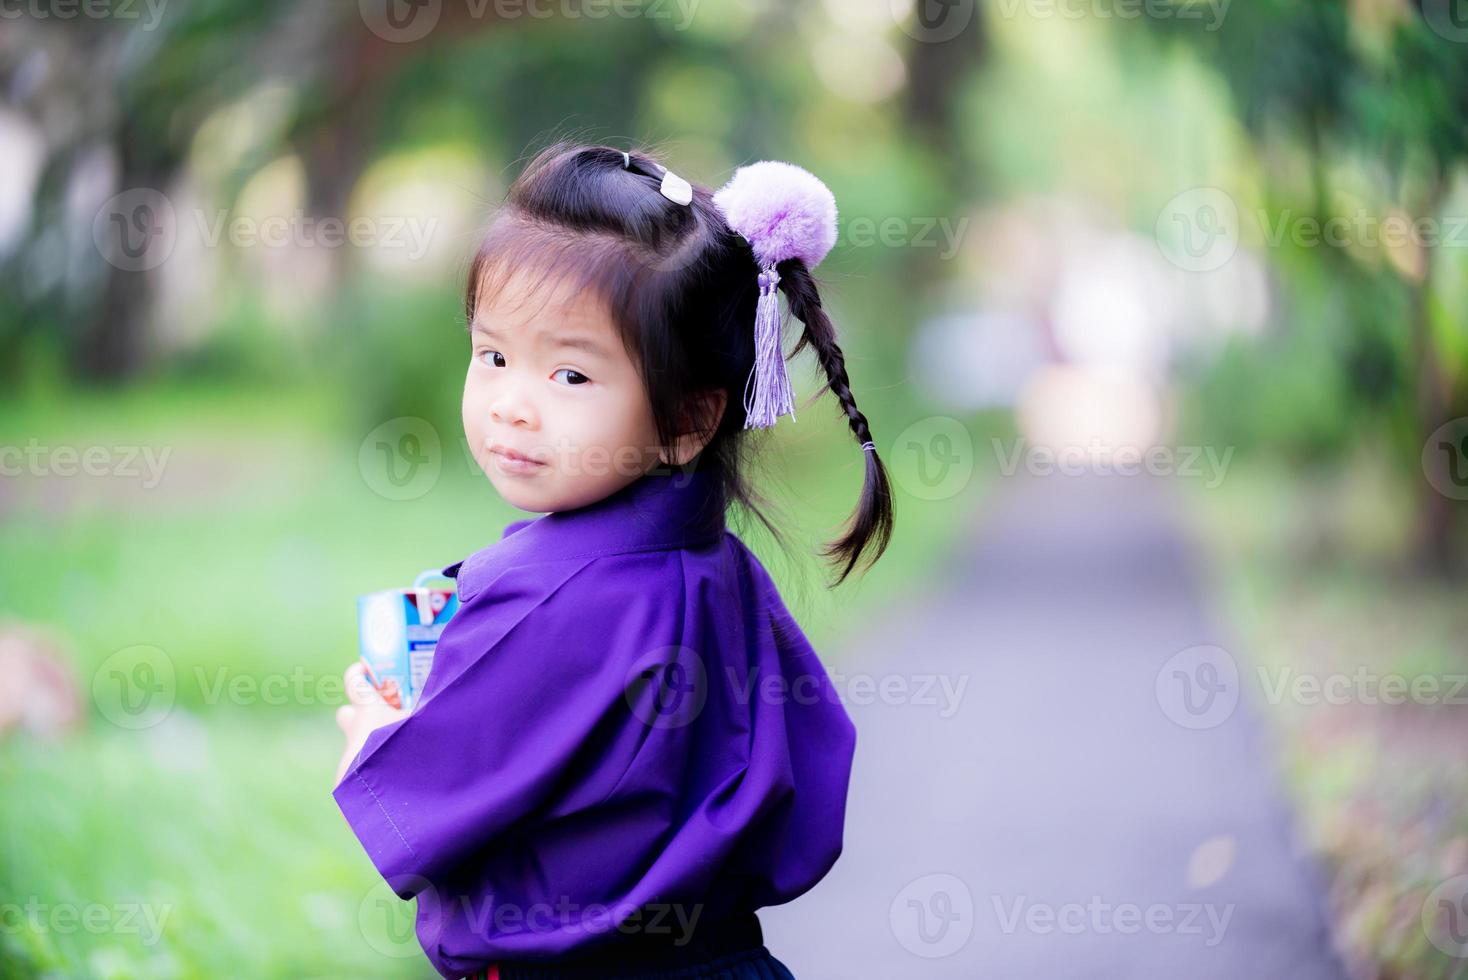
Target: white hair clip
(673,187)
(676,189)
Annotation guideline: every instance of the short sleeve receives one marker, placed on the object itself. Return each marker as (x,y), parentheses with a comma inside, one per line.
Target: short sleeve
(519,721)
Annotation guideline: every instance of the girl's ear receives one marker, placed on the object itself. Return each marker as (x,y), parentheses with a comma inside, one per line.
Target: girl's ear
(706,413)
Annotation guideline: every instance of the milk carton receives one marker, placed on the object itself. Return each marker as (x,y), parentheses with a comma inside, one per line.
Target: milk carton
(398,631)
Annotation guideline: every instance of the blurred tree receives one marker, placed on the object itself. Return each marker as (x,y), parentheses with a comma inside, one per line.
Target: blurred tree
(930,101)
(1378,82)
(142,92)
(140,95)
(1417,113)
(138,92)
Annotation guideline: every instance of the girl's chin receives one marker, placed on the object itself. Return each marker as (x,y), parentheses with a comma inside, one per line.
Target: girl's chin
(549,490)
(524,493)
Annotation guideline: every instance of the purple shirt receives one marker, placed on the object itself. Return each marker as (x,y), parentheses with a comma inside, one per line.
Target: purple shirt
(624,731)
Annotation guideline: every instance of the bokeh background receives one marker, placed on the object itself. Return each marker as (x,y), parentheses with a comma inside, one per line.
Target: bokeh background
(1200,265)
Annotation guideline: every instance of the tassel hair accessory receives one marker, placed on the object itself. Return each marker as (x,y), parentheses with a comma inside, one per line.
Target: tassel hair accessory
(784,212)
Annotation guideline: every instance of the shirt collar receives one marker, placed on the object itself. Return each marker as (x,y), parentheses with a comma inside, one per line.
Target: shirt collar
(659,510)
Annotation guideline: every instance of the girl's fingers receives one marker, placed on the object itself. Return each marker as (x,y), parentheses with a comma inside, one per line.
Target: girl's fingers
(344,716)
(359,688)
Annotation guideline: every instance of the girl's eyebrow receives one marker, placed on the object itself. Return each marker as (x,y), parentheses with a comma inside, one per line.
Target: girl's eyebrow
(573,341)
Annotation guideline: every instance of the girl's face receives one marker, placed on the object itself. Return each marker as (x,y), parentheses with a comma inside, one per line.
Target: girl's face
(550,379)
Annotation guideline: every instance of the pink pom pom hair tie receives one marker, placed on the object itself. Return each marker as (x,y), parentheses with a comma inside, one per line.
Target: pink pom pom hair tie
(784,212)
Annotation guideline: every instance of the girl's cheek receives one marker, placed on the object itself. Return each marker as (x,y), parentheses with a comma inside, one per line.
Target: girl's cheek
(478,394)
(476,415)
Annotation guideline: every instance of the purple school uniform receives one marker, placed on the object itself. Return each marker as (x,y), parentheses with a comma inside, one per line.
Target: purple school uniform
(623,724)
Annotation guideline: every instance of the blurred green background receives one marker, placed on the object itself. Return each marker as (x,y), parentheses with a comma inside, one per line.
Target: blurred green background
(1054,202)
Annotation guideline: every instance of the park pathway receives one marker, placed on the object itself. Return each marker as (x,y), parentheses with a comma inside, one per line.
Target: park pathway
(1072,816)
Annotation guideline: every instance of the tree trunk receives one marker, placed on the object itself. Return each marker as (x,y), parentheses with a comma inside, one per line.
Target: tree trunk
(1438,516)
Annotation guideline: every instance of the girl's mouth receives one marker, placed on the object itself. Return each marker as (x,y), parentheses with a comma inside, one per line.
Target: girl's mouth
(513,463)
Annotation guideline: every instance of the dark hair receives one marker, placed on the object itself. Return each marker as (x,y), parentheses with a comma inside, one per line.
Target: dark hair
(681,287)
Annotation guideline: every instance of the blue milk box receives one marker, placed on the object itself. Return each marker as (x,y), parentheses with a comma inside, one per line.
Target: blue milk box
(398,631)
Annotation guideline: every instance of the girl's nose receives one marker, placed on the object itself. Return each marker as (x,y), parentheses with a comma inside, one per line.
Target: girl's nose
(511,409)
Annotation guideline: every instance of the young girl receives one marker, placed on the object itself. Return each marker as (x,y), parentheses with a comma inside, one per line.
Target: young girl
(625,745)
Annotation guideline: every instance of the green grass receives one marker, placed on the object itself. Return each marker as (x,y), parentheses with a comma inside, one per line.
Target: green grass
(200,847)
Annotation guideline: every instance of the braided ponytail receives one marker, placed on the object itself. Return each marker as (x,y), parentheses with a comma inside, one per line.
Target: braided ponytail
(871,524)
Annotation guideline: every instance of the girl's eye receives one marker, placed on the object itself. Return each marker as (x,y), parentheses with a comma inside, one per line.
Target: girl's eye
(499,358)
(574,374)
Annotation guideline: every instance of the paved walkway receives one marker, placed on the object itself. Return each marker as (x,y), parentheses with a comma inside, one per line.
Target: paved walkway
(1072,817)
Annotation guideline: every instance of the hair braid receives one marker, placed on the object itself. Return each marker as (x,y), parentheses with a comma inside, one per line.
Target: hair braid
(871,524)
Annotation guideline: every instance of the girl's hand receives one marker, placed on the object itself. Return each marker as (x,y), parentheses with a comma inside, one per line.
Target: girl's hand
(366,712)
